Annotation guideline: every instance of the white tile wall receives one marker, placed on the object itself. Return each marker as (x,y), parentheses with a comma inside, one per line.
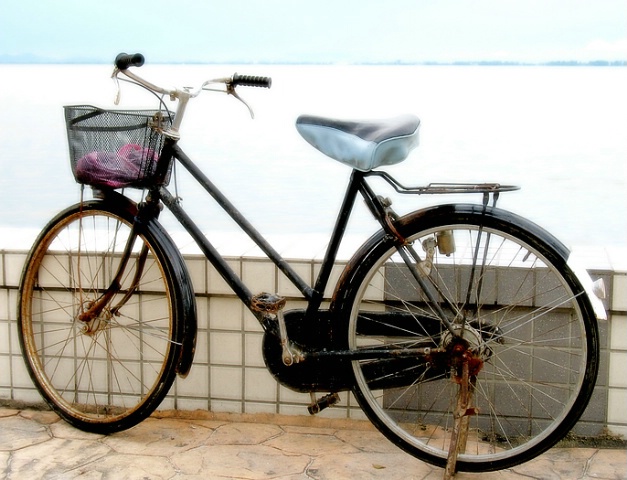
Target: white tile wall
(5,333)
(228,373)
(13,268)
(252,347)
(619,293)
(226,382)
(617,392)
(259,385)
(225,348)
(197,267)
(618,338)
(617,417)
(618,378)
(225,314)
(260,276)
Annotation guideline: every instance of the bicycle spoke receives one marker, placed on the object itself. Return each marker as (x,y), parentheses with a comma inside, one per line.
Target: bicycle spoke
(106,370)
(516,319)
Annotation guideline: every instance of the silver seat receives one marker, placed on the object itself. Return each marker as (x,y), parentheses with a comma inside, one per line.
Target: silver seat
(363,145)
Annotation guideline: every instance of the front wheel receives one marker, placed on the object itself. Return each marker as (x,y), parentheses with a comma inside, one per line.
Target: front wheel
(106,372)
(519,366)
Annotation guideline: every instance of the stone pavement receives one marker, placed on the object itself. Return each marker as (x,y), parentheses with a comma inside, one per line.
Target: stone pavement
(200,445)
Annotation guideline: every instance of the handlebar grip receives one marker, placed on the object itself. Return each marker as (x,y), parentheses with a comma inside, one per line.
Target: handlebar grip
(251,81)
(125,60)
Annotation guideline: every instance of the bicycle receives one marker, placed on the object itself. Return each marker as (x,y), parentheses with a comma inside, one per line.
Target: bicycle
(466,334)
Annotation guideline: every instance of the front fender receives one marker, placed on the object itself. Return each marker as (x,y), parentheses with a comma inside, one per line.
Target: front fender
(185,299)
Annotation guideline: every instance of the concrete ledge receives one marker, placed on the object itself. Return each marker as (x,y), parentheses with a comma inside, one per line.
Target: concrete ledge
(36,444)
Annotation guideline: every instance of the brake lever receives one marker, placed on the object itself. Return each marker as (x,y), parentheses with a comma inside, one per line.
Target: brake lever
(230,90)
(118,89)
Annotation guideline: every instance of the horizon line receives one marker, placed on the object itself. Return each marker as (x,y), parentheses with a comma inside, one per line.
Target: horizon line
(32,60)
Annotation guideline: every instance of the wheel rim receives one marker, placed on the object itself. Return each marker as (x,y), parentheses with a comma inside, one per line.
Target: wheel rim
(103,370)
(530,383)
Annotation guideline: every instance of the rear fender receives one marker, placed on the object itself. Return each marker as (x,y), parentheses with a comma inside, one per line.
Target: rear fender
(559,253)
(594,290)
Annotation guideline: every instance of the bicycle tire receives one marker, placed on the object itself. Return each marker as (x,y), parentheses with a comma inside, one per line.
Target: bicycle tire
(526,312)
(108,374)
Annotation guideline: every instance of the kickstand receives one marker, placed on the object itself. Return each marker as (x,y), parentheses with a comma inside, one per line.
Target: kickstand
(459,435)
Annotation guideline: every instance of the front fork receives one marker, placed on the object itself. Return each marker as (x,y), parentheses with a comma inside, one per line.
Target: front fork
(94,309)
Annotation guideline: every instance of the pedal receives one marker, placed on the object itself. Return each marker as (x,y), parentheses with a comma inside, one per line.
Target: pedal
(267,303)
(273,304)
(318,405)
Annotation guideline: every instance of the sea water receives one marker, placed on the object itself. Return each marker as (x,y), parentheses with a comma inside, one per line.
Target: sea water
(558,132)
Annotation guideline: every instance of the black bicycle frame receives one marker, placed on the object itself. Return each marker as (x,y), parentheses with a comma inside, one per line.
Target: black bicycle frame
(379,208)
(314,294)
(322,353)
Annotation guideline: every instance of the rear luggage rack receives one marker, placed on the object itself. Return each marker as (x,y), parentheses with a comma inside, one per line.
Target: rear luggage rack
(444,188)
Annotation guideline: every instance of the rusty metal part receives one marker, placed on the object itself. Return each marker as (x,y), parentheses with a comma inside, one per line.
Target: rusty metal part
(317,405)
(466,360)
(95,308)
(267,303)
(272,304)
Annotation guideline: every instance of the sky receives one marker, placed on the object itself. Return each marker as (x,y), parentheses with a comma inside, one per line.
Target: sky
(333,31)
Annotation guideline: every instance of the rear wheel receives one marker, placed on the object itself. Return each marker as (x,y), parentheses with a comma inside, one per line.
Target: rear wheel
(521,366)
(107,371)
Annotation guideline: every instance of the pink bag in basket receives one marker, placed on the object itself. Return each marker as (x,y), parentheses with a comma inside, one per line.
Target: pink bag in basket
(115,170)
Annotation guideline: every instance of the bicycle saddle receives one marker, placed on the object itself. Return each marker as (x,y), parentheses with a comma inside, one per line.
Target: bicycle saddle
(364,145)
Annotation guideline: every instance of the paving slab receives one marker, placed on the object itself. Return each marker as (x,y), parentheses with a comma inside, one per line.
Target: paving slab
(202,445)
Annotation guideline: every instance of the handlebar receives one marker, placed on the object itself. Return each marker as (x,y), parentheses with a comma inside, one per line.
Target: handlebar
(249,81)
(124,61)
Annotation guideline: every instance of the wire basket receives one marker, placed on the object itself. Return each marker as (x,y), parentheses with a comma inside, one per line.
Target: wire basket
(116,148)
